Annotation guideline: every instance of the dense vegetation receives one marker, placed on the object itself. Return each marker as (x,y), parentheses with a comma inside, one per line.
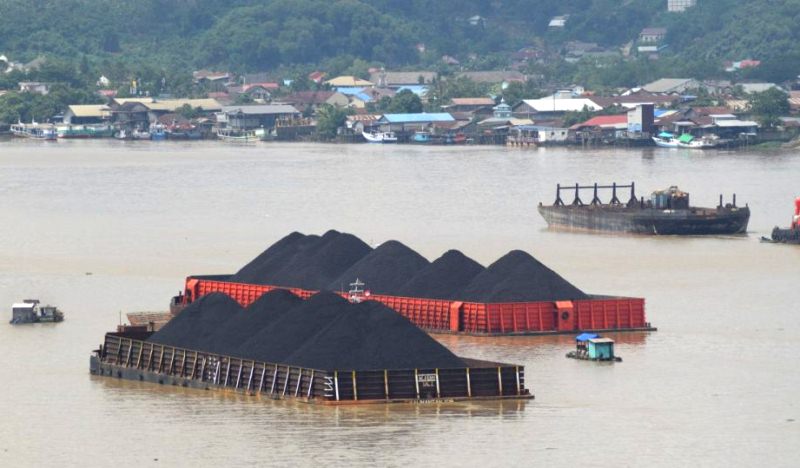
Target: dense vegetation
(159,42)
(248,35)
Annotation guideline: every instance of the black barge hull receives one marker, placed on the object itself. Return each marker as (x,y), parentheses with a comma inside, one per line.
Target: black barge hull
(129,356)
(621,218)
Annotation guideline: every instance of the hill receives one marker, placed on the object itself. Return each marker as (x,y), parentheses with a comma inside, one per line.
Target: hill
(253,35)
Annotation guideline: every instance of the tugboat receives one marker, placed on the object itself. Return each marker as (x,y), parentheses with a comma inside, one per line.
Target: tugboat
(791,235)
(29,311)
(666,213)
(592,347)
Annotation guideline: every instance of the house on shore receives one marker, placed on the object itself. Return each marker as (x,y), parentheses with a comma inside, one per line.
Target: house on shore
(554,106)
(672,85)
(470,105)
(87,114)
(249,117)
(308,102)
(398,79)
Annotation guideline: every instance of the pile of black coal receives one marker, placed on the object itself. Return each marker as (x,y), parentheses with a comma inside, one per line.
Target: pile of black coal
(194,327)
(276,341)
(308,262)
(243,325)
(445,278)
(323,332)
(335,260)
(518,277)
(384,270)
(371,336)
(266,265)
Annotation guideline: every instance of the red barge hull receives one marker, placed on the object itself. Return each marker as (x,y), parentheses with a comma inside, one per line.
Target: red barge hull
(599,313)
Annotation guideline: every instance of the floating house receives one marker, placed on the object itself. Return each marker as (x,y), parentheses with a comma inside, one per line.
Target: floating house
(593,347)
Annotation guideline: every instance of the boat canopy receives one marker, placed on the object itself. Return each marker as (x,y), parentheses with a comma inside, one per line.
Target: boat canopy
(665,135)
(586,336)
(685,138)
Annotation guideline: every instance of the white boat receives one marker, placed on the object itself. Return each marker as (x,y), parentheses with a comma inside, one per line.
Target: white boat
(705,142)
(240,136)
(665,140)
(35,131)
(134,134)
(380,137)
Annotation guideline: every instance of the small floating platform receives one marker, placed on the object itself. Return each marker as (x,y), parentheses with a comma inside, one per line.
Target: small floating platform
(593,347)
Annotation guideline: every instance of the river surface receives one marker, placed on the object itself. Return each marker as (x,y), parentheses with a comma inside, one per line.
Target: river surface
(102,228)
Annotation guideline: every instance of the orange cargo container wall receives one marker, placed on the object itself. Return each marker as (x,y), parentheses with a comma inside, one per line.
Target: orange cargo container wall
(596,314)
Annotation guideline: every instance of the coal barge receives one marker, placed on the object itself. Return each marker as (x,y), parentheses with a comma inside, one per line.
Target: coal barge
(667,212)
(323,350)
(516,295)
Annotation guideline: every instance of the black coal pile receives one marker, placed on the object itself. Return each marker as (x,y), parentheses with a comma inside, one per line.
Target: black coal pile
(371,336)
(194,327)
(310,262)
(384,270)
(276,341)
(445,278)
(243,325)
(271,261)
(518,277)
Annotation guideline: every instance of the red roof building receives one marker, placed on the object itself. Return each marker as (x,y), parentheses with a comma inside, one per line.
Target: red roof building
(619,121)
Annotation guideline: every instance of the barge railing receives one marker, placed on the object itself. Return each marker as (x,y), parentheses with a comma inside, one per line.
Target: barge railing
(128,356)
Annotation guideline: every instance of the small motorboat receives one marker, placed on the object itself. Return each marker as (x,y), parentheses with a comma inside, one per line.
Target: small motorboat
(665,140)
(380,137)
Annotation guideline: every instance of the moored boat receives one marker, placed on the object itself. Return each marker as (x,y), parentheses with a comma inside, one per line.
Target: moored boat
(240,136)
(665,140)
(380,137)
(668,212)
(85,131)
(35,131)
(421,137)
(705,142)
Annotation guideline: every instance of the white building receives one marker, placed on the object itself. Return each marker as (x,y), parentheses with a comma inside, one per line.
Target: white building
(678,6)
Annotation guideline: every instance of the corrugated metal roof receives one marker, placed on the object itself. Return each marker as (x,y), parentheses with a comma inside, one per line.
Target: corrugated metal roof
(263,109)
(414,118)
(348,81)
(551,104)
(480,101)
(90,110)
(145,100)
(171,105)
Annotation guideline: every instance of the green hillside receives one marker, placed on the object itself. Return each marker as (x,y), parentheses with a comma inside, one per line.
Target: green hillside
(251,35)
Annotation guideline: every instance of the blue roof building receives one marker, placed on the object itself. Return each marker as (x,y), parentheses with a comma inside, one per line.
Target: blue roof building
(421,118)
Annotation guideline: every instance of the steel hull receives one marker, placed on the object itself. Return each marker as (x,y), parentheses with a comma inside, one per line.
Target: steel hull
(695,221)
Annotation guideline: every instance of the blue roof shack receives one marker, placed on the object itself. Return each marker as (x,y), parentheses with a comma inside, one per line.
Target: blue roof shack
(592,347)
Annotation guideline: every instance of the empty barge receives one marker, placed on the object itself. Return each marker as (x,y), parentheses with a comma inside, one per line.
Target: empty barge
(126,354)
(666,213)
(598,313)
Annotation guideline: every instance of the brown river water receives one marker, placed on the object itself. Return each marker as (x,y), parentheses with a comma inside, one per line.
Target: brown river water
(101,228)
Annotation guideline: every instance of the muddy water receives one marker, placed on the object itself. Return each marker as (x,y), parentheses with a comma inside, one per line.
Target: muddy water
(103,228)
